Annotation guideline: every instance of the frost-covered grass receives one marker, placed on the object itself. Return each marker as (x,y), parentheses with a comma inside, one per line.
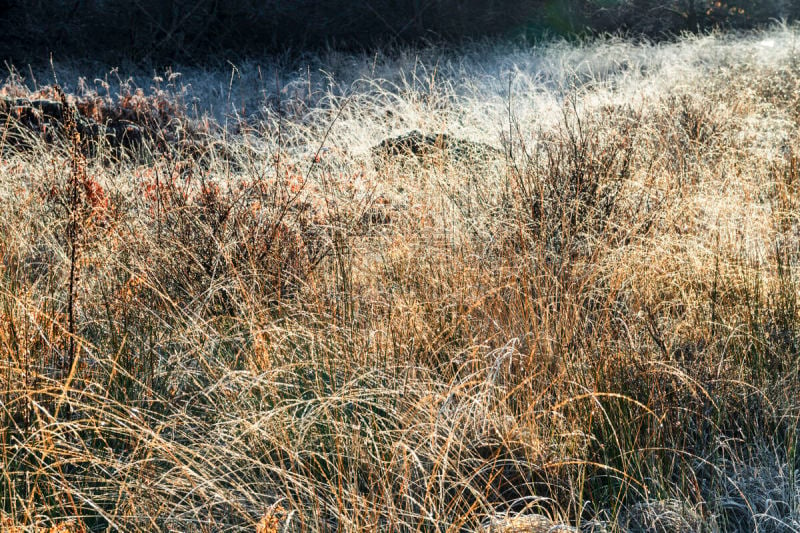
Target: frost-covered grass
(598,321)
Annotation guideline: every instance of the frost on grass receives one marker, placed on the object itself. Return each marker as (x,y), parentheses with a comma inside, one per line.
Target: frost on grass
(596,326)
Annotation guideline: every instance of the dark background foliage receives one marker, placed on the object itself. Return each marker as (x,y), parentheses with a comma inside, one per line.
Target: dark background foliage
(193,30)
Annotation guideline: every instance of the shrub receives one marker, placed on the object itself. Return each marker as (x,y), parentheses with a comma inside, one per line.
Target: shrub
(180,30)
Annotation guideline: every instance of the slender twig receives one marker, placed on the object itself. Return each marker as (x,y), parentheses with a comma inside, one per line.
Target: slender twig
(77,176)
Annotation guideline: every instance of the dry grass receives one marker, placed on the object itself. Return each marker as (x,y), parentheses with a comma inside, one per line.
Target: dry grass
(597,326)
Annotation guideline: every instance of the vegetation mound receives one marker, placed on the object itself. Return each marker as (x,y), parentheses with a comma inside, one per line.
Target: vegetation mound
(128,124)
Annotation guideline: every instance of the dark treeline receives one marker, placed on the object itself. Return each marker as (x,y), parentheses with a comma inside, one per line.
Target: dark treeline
(192,30)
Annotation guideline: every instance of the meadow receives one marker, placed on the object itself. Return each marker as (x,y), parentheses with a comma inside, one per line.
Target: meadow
(258,304)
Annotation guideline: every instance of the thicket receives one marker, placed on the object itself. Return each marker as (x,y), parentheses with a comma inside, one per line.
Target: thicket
(116,30)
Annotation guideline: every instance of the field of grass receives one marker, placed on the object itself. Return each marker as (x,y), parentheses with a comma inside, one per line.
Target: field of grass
(580,309)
